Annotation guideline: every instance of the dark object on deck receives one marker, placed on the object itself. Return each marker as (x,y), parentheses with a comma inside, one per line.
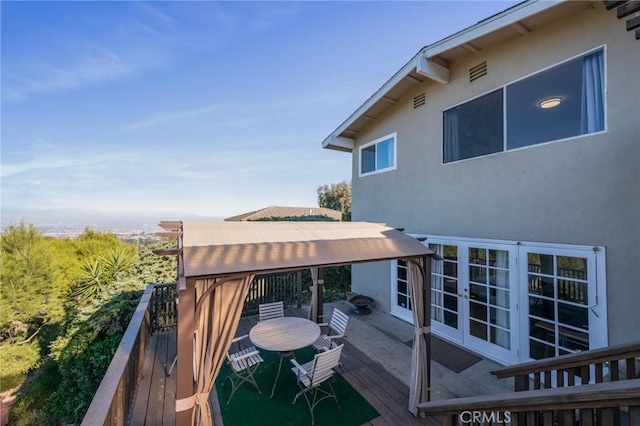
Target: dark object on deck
(361,304)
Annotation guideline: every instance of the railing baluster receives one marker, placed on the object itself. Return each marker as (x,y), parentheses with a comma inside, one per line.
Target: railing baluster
(631,368)
(614,372)
(598,373)
(586,417)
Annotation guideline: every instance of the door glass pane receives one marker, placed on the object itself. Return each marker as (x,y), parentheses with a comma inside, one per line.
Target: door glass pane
(478,274)
(572,267)
(573,315)
(477,256)
(478,292)
(542,308)
(499,317)
(499,278)
(573,291)
(478,311)
(540,263)
(444,282)
(499,297)
(451,319)
(538,350)
(450,252)
(450,268)
(500,337)
(403,301)
(558,300)
(478,329)
(573,340)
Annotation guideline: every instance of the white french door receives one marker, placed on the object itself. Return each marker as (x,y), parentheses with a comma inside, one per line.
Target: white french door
(400,298)
(512,302)
(475,296)
(565,297)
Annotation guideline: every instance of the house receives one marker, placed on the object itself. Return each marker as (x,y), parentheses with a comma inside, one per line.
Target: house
(288,213)
(513,148)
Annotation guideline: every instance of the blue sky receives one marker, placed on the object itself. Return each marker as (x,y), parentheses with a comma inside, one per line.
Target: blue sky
(208,108)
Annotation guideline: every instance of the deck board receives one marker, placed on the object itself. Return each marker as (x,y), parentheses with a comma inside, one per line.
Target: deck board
(154,404)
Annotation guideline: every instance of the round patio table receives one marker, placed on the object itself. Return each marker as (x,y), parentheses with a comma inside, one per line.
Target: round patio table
(284,335)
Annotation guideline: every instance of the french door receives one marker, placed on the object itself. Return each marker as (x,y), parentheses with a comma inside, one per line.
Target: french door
(565,298)
(512,302)
(474,296)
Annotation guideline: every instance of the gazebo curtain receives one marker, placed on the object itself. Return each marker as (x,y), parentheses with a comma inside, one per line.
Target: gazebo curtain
(421,355)
(219,305)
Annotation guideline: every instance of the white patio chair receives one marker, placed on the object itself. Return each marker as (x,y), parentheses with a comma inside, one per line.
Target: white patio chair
(311,375)
(336,330)
(271,310)
(242,364)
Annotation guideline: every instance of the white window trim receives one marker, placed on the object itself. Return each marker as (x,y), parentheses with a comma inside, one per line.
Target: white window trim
(504,111)
(393,136)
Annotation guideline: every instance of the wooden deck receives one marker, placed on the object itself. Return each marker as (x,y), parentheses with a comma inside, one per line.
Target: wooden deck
(154,403)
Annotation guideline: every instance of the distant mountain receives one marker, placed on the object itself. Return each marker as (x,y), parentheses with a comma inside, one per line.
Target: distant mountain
(93,217)
(65,223)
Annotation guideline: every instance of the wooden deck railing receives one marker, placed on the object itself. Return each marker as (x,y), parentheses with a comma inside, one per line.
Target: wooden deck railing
(157,311)
(111,405)
(597,387)
(285,287)
(579,368)
(164,309)
(600,404)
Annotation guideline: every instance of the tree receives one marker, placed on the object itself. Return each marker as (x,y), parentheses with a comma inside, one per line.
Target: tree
(31,291)
(336,196)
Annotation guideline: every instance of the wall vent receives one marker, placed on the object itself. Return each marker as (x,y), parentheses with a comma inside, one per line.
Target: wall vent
(477,71)
(419,100)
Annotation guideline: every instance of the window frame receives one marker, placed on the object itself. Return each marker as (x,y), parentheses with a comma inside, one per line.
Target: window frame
(394,137)
(504,88)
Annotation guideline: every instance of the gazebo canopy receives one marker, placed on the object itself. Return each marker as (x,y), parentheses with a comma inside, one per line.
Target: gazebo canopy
(220,248)
(217,261)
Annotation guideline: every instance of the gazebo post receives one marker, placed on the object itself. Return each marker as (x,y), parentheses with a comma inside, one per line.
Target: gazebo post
(426,294)
(184,370)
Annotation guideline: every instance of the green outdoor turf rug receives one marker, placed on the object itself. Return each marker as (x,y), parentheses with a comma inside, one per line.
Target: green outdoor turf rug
(247,407)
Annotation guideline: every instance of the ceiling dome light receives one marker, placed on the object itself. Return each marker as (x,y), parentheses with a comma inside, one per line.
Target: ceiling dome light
(550,103)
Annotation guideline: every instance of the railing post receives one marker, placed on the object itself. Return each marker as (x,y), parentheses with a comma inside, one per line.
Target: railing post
(299,288)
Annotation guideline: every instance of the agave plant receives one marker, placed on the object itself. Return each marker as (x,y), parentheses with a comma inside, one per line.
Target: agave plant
(119,261)
(92,280)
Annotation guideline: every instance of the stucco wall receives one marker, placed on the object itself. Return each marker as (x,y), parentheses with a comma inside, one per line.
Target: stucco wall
(583,191)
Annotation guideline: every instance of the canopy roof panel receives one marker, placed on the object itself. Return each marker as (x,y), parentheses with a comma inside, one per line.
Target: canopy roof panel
(220,248)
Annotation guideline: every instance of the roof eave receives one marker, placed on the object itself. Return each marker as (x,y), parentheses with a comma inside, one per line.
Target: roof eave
(422,64)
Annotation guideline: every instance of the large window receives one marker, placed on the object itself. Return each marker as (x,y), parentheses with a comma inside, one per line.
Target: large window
(561,102)
(379,155)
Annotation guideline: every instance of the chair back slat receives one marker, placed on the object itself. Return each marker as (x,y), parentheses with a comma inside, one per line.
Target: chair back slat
(271,310)
(325,363)
(339,322)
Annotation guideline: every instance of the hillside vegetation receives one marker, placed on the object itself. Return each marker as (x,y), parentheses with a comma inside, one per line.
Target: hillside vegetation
(64,306)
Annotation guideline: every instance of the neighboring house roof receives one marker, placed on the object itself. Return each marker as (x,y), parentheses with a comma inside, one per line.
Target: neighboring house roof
(431,62)
(282,212)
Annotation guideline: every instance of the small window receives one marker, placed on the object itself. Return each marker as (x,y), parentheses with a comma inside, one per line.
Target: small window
(378,156)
